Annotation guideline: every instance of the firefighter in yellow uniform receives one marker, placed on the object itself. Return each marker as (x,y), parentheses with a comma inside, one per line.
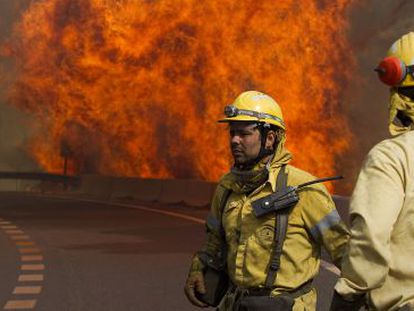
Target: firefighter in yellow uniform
(378,269)
(257,137)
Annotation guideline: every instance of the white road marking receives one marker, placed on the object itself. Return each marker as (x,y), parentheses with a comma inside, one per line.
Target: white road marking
(14,231)
(25,243)
(31,278)
(139,207)
(5,227)
(34,267)
(32,258)
(32,250)
(20,304)
(20,237)
(24,246)
(27,290)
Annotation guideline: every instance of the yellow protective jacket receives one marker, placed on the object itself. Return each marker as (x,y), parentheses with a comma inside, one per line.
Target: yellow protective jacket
(314,222)
(379,259)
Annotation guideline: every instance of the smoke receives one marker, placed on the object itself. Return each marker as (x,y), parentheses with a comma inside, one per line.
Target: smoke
(374,26)
(14,131)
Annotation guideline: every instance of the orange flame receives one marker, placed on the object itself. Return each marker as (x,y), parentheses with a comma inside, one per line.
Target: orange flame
(133,87)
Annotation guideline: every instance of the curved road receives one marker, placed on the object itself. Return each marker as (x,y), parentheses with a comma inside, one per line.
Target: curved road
(67,254)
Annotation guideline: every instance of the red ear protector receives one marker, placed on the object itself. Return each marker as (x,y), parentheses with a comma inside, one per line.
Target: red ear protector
(392,70)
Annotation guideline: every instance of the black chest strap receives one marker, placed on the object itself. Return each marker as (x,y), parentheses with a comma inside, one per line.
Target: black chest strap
(281,223)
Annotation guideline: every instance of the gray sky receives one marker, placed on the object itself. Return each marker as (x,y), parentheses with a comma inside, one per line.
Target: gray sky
(13,124)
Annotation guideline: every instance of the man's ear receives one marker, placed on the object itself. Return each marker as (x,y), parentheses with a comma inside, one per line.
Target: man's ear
(270,140)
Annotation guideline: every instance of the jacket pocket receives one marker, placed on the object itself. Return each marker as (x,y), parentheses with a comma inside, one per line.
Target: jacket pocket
(264,236)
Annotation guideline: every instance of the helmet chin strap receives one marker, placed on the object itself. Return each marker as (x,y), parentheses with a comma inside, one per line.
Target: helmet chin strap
(263,152)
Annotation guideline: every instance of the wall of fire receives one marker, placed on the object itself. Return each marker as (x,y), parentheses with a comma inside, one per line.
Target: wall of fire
(337,131)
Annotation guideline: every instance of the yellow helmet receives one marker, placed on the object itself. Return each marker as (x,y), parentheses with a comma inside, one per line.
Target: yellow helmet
(253,106)
(397,69)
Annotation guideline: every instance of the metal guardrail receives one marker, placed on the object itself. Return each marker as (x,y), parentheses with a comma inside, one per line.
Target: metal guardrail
(65,179)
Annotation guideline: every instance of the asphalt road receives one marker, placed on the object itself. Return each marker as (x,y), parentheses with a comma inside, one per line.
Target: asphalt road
(59,254)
